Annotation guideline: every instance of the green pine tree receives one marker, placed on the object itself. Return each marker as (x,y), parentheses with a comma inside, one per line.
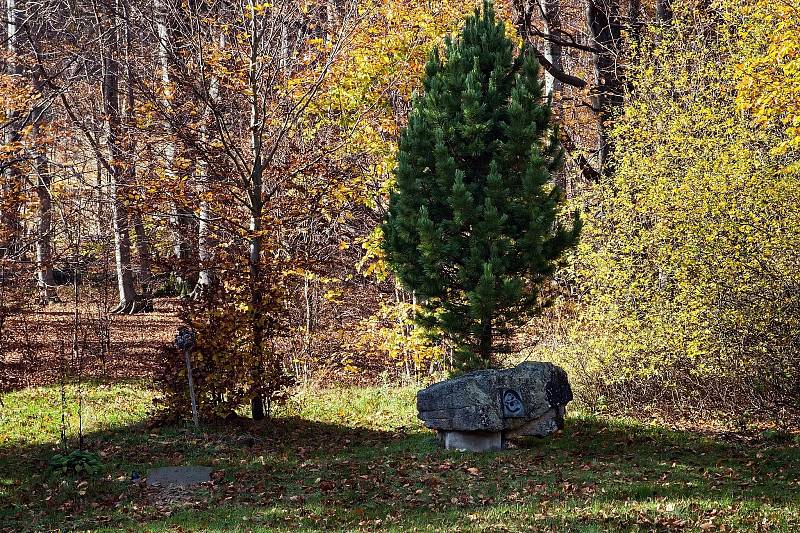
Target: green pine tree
(473,224)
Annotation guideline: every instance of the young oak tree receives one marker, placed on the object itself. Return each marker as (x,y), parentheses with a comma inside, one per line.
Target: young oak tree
(473,224)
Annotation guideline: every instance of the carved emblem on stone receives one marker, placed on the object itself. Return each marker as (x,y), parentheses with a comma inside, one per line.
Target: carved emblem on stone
(512,404)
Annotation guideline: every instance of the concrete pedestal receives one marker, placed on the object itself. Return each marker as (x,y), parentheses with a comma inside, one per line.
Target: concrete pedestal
(472,441)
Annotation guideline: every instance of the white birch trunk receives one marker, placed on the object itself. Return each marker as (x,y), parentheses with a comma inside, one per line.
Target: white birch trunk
(551,13)
(122,242)
(205,242)
(180,219)
(11,228)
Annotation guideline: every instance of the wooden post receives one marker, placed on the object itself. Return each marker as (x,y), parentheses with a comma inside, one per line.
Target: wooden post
(185,340)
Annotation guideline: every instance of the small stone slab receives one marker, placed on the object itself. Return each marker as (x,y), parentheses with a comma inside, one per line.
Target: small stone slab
(181,476)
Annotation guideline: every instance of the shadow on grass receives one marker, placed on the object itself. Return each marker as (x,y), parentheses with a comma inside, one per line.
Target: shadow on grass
(292,473)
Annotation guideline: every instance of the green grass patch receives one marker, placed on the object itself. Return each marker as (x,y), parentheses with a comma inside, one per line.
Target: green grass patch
(381,408)
(34,416)
(357,458)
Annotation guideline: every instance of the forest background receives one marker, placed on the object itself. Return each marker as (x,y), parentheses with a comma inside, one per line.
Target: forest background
(230,163)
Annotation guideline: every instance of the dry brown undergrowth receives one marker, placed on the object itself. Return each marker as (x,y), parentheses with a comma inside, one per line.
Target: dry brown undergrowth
(110,347)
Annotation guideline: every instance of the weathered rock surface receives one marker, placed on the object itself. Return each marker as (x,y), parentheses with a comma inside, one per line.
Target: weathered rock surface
(527,400)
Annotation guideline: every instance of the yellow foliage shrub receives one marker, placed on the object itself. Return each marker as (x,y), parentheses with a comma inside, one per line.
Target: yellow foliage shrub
(688,267)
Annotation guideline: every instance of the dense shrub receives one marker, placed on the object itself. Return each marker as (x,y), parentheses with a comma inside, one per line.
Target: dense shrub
(224,372)
(690,291)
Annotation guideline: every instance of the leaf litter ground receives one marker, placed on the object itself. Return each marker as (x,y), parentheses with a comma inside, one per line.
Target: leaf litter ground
(357,459)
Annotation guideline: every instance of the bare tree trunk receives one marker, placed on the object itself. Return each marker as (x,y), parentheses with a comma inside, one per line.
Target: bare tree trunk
(100,220)
(256,300)
(10,226)
(606,29)
(635,21)
(310,307)
(664,10)
(122,242)
(309,325)
(142,243)
(551,13)
(551,60)
(332,18)
(143,252)
(182,216)
(205,242)
(256,193)
(44,249)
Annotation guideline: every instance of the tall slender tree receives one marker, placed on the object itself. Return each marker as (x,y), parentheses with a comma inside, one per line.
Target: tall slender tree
(172,150)
(117,165)
(473,224)
(605,24)
(10,225)
(143,250)
(43,180)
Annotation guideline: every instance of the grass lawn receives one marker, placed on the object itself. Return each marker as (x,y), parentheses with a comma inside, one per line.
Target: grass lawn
(349,459)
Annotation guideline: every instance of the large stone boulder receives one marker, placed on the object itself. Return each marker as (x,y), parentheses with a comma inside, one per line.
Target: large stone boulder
(480,410)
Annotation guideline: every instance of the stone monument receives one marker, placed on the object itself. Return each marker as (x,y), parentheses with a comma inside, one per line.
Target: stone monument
(480,410)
